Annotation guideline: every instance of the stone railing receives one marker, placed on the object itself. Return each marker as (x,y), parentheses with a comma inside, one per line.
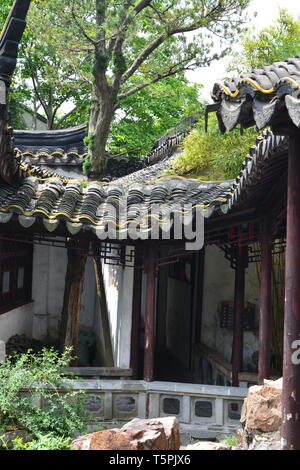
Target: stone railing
(210,407)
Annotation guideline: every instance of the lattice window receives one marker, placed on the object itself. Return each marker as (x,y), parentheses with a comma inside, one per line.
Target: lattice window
(15,274)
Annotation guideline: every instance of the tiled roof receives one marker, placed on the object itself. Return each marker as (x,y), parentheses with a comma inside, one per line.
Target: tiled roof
(67,148)
(63,147)
(86,206)
(266,96)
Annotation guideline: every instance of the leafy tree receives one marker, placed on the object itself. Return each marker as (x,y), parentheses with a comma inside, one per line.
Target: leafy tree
(53,77)
(139,43)
(58,75)
(275,43)
(146,116)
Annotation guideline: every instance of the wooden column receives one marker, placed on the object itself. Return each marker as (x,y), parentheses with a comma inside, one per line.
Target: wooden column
(197,301)
(136,321)
(265,301)
(291,365)
(72,301)
(239,305)
(151,267)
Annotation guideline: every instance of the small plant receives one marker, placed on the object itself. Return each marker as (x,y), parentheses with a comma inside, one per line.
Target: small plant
(36,396)
(43,442)
(230,441)
(86,166)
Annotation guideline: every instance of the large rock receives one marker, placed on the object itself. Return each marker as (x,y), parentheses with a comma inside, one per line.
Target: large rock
(138,434)
(262,409)
(265,441)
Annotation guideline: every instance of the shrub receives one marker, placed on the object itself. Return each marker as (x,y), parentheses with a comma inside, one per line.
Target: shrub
(28,380)
(43,442)
(230,441)
(213,155)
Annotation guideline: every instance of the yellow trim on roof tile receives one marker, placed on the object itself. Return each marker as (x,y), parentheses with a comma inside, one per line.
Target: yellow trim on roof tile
(257,86)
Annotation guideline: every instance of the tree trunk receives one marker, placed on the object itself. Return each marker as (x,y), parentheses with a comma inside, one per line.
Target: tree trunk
(102,113)
(108,352)
(71,306)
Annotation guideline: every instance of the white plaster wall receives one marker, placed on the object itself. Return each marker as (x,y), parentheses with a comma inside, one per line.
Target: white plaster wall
(16,322)
(49,270)
(218,287)
(29,121)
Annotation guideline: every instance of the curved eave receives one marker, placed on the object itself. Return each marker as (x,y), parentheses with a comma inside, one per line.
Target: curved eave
(60,205)
(266,97)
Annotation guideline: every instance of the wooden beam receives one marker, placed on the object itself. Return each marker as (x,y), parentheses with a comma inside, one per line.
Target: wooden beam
(239,305)
(151,269)
(136,321)
(70,316)
(115,372)
(265,301)
(291,366)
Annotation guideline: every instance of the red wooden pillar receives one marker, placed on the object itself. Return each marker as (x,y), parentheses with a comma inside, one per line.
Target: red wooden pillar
(291,365)
(265,301)
(151,268)
(136,320)
(239,305)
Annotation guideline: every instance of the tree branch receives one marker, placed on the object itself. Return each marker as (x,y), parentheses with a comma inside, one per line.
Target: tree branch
(127,20)
(39,93)
(79,25)
(63,118)
(214,14)
(143,56)
(180,67)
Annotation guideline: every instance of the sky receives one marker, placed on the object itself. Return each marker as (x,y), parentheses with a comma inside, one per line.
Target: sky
(267,11)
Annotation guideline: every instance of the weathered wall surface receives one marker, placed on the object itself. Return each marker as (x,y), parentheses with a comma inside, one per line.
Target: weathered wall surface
(49,269)
(16,322)
(218,287)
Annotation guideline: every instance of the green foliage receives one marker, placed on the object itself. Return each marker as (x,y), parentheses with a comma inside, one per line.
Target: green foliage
(27,379)
(53,67)
(43,442)
(230,441)
(5,6)
(86,167)
(276,43)
(89,141)
(146,116)
(213,155)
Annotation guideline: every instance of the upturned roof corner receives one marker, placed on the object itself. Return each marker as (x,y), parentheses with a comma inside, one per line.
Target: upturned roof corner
(269,96)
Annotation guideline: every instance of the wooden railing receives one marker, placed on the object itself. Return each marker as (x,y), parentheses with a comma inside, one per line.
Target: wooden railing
(223,368)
